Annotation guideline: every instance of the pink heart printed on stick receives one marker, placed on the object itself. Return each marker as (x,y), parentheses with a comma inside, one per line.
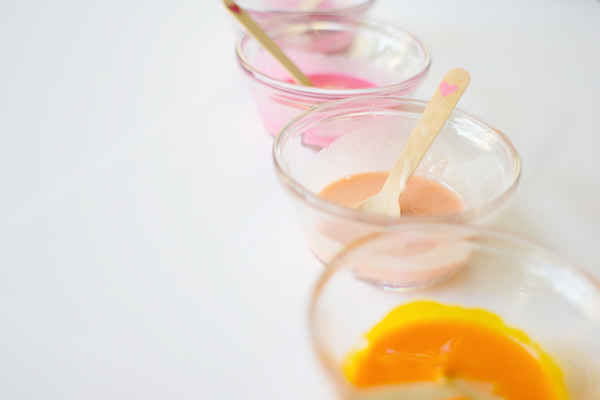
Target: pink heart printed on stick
(433,118)
(446,88)
(235,8)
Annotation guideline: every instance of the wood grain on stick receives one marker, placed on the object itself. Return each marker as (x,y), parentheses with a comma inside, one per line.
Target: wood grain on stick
(431,122)
(252,29)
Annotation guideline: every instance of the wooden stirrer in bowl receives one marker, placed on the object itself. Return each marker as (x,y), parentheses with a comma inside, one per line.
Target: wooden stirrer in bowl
(437,111)
(252,29)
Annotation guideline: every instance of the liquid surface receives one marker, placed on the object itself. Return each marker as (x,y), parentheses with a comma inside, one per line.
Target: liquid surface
(422,196)
(426,341)
(337,81)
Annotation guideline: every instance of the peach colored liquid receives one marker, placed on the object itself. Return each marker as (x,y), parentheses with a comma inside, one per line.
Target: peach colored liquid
(422,197)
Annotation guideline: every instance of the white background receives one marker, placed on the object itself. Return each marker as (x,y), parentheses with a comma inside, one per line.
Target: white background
(146,249)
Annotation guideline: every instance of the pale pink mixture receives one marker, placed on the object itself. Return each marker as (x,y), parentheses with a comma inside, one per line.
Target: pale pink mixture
(412,263)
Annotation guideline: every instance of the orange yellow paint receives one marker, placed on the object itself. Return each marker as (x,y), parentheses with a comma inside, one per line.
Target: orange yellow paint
(426,341)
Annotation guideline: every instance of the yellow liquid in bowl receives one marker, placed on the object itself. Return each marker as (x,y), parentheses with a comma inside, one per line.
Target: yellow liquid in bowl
(426,341)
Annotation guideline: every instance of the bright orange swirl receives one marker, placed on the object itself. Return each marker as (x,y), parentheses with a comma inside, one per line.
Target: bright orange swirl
(425,341)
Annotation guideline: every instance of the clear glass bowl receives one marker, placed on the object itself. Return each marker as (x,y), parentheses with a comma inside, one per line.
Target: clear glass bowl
(394,61)
(470,157)
(529,287)
(263,10)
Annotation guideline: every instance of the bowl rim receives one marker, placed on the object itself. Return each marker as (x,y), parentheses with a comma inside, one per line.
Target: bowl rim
(361,4)
(337,263)
(329,94)
(313,200)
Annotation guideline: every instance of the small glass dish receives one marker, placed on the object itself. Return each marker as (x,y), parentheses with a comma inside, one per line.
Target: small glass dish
(470,157)
(531,289)
(263,10)
(329,45)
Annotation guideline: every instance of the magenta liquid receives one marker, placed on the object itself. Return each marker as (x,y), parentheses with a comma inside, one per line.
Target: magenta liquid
(338,81)
(331,81)
(278,107)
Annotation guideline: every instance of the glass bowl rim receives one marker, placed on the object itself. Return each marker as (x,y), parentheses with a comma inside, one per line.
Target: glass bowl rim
(325,206)
(356,7)
(333,93)
(338,262)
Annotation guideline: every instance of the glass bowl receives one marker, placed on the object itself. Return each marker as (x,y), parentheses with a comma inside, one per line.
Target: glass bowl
(470,157)
(393,61)
(527,286)
(263,10)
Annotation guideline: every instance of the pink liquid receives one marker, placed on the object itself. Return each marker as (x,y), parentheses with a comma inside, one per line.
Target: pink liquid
(333,81)
(337,81)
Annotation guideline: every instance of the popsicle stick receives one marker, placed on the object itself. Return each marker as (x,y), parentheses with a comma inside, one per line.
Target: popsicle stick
(309,5)
(437,111)
(265,41)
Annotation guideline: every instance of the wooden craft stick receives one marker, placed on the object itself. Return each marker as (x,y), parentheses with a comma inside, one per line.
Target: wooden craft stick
(265,41)
(433,118)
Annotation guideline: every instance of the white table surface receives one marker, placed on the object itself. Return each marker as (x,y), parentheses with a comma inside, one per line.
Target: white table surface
(146,249)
